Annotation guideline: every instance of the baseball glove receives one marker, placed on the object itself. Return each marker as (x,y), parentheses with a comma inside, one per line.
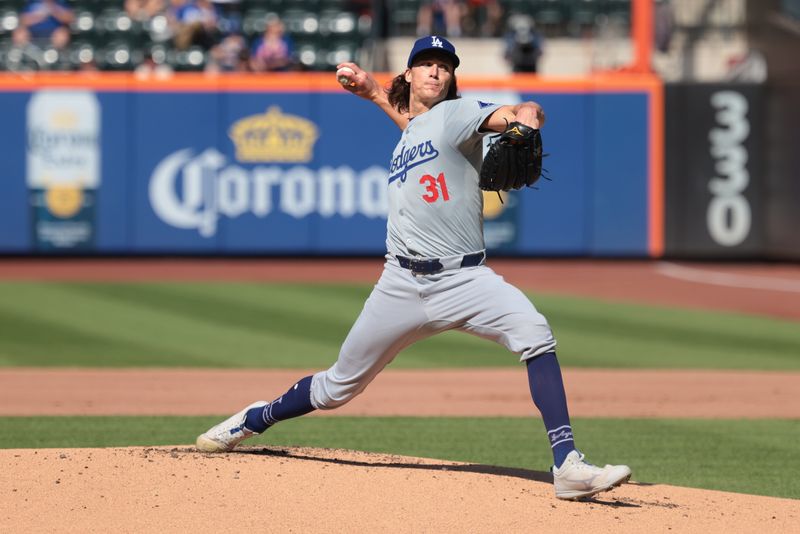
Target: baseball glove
(514,160)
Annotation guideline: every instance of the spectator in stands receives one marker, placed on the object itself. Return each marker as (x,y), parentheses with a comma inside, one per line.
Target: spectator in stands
(523,44)
(194,23)
(663,24)
(229,16)
(482,18)
(143,10)
(24,58)
(440,17)
(44,21)
(274,50)
(230,55)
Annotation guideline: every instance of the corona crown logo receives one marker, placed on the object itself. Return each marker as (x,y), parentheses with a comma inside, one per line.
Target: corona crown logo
(274,137)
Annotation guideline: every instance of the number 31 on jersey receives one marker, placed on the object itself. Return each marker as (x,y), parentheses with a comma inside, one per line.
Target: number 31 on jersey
(434,187)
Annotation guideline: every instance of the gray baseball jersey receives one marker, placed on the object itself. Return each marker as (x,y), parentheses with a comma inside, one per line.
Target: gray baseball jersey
(435,212)
(435,206)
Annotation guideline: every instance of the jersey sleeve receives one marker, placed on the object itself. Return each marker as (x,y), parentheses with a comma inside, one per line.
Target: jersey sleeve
(464,118)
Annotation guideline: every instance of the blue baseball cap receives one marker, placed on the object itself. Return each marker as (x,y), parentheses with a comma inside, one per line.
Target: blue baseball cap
(433,42)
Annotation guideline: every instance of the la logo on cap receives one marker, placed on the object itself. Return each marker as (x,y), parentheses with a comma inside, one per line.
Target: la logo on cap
(435,41)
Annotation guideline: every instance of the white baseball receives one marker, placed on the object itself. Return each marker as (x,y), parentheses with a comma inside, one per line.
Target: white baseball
(341,75)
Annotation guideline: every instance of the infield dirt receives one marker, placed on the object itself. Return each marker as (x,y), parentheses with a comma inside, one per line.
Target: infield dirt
(316,490)
(423,393)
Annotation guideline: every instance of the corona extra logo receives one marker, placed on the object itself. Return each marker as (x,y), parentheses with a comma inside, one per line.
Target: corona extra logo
(274,137)
(190,190)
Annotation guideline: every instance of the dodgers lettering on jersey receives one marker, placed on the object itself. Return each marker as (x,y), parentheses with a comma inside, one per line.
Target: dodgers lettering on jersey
(435,205)
(410,158)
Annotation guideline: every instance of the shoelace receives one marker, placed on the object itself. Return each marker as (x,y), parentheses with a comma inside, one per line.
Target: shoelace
(585,466)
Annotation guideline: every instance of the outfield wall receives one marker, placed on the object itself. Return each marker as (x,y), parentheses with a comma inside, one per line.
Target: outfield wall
(111,164)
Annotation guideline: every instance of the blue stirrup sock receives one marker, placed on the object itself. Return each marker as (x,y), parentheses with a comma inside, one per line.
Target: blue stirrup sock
(293,403)
(547,390)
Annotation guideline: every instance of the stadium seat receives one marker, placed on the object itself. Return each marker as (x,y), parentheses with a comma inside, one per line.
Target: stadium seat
(338,23)
(9,20)
(16,60)
(402,17)
(83,28)
(53,60)
(114,20)
(81,53)
(118,55)
(335,5)
(276,6)
(12,5)
(254,21)
(341,51)
(192,59)
(312,6)
(95,6)
(159,52)
(551,16)
(299,23)
(583,16)
(114,25)
(306,53)
(84,21)
(5,46)
(518,7)
(157,29)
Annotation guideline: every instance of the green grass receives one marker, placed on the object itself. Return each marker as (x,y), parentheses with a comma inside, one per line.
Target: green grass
(747,456)
(302,326)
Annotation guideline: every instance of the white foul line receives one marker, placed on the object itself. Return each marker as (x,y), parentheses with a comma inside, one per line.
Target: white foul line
(716,278)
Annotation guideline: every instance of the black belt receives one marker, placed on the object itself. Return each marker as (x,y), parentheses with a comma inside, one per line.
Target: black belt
(434,265)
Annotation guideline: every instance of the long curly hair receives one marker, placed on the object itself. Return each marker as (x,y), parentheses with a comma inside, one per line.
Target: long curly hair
(399,92)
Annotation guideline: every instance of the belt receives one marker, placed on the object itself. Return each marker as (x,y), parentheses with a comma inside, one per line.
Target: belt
(436,265)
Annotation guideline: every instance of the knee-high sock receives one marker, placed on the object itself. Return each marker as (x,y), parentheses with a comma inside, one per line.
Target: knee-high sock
(293,403)
(547,390)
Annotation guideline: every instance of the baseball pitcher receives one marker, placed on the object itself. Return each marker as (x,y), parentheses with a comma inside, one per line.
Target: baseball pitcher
(435,277)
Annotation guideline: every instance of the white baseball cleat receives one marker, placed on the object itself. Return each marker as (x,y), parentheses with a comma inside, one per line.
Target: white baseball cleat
(576,479)
(229,433)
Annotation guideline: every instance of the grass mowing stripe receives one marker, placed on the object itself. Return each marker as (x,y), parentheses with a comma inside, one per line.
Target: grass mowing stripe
(632,335)
(302,326)
(201,325)
(747,456)
(247,307)
(135,333)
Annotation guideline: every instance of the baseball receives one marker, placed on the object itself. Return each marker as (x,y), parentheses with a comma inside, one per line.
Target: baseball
(342,74)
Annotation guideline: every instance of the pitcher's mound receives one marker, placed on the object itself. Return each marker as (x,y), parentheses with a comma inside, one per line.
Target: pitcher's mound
(273,489)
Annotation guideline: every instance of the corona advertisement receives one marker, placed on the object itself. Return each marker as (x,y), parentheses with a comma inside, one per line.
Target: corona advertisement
(296,165)
(270,174)
(63,168)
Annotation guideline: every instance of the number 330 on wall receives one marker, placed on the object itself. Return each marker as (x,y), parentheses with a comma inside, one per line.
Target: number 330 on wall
(433,186)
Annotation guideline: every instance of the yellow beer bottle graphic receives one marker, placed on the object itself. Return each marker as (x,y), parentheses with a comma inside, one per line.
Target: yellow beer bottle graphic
(63,168)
